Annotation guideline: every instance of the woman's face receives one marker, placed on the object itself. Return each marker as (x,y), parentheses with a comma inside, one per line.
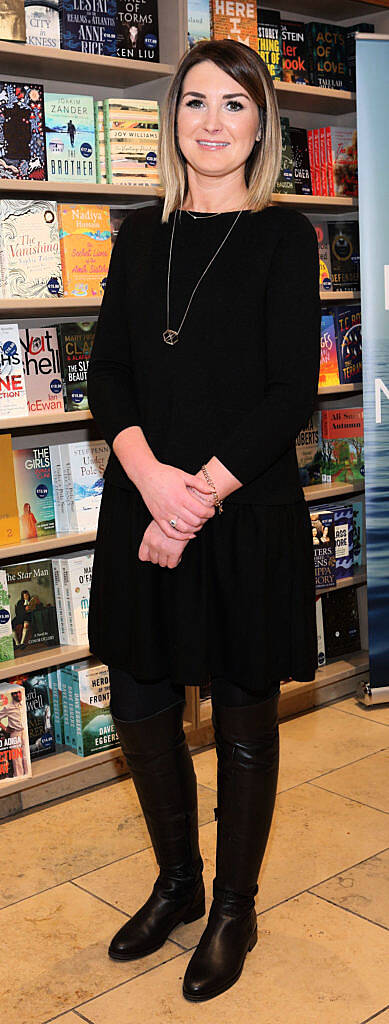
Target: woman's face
(217,121)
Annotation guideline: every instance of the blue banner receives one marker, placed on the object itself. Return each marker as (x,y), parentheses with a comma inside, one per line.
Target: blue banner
(372,61)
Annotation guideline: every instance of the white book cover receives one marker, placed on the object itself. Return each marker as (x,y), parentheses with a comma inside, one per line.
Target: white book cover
(42,369)
(15,759)
(13,397)
(60,505)
(43,25)
(60,603)
(77,576)
(84,463)
(30,258)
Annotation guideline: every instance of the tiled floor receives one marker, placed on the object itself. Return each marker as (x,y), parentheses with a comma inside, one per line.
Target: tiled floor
(73,871)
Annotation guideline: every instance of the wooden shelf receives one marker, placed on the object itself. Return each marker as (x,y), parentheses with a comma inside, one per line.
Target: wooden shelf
(13,308)
(331,296)
(78,189)
(318,492)
(291,96)
(329,204)
(37,62)
(44,420)
(335,10)
(357,580)
(43,659)
(339,389)
(57,543)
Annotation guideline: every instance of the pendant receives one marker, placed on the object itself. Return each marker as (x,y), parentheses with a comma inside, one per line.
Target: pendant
(170,336)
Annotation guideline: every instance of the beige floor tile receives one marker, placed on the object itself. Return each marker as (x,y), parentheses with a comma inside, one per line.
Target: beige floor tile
(367,780)
(383,1018)
(67,1018)
(315,835)
(313,964)
(62,937)
(370,713)
(71,836)
(363,889)
(322,741)
(205,767)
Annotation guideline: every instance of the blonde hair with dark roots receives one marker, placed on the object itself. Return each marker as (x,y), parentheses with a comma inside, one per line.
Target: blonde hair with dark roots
(263,164)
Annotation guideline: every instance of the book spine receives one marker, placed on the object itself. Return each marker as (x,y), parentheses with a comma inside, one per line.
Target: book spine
(316,156)
(97,140)
(4,284)
(53,684)
(72,720)
(59,600)
(61,524)
(68,488)
(108,159)
(330,168)
(65,707)
(77,713)
(72,636)
(324,423)
(321,650)
(323,161)
(311,159)
(309,52)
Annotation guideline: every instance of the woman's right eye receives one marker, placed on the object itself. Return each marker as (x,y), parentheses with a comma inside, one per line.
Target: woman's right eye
(194,103)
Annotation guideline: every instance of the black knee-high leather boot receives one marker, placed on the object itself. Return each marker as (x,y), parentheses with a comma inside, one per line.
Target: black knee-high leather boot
(247,744)
(162,770)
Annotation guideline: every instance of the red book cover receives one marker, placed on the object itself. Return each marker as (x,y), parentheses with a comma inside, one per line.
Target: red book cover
(323,161)
(316,155)
(311,160)
(330,169)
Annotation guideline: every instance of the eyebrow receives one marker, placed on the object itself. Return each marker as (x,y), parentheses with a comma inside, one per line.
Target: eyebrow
(227,95)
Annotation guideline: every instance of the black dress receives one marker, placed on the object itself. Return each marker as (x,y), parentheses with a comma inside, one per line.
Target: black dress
(239,384)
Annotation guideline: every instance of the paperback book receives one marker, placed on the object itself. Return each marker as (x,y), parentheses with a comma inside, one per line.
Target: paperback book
(343,445)
(324,255)
(101,173)
(131,128)
(301,165)
(363,26)
(9,518)
(326,55)
(15,760)
(294,59)
(33,613)
(358,534)
(321,650)
(329,372)
(12,22)
(76,580)
(70,137)
(54,679)
(30,259)
(137,35)
(84,463)
(341,622)
(232,19)
(309,451)
(6,641)
(85,241)
(323,537)
(342,161)
(13,397)
(43,23)
(42,369)
(76,343)
(269,40)
(34,490)
(349,343)
(22,131)
(344,539)
(285,181)
(89,27)
(198,21)
(344,247)
(88,682)
(39,721)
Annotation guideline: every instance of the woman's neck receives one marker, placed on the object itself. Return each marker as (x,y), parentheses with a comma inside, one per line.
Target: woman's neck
(218,199)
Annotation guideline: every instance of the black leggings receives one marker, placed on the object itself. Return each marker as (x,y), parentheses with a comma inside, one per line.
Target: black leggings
(132,700)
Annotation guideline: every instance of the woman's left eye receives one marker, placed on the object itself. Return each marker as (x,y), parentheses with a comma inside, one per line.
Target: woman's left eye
(235,104)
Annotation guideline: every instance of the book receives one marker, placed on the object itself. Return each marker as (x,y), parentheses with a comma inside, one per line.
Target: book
(329,371)
(13,397)
(39,721)
(358,534)
(22,131)
(342,161)
(351,32)
(198,21)
(84,463)
(316,162)
(301,168)
(326,55)
(32,602)
(117,215)
(101,174)
(323,162)
(85,243)
(6,641)
(76,577)
(90,27)
(321,651)
(323,537)
(341,622)
(60,604)
(324,255)
(131,128)
(15,760)
(294,58)
(269,40)
(54,679)
(30,260)
(43,23)
(9,518)
(311,158)
(70,137)
(343,443)
(232,19)
(12,21)
(76,343)
(285,182)
(60,503)
(344,248)
(42,369)
(137,34)
(34,490)
(67,688)
(309,451)
(95,729)
(344,539)
(349,343)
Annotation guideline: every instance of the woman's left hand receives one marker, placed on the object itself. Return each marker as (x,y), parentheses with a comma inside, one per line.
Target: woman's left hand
(158,548)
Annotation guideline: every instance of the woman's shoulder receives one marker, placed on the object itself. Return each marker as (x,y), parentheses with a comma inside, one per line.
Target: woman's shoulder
(285,222)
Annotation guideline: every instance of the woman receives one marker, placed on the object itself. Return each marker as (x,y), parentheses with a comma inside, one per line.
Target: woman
(204,369)
(21,621)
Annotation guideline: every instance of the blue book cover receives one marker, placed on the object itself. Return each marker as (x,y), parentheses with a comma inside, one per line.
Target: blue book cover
(92,30)
(40,724)
(349,344)
(34,492)
(344,539)
(70,137)
(358,533)
(323,538)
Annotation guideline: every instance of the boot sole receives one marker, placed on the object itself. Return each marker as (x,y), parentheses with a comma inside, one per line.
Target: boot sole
(222,988)
(192,915)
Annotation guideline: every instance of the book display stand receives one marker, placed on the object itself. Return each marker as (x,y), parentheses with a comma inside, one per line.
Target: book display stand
(64,772)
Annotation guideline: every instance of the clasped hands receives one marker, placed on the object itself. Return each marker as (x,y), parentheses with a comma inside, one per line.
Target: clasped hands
(172,493)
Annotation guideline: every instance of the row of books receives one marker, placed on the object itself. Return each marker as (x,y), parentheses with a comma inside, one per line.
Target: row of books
(338,243)
(43,600)
(44,369)
(341,346)
(50,136)
(318,161)
(330,449)
(67,706)
(307,53)
(338,541)
(115,28)
(50,490)
(49,249)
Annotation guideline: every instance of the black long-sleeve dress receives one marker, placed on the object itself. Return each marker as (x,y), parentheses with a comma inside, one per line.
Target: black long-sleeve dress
(239,384)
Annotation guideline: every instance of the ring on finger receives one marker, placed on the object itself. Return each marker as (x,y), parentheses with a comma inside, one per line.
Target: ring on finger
(173,523)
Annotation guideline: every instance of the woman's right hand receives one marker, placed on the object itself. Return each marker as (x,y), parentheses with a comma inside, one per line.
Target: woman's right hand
(164,490)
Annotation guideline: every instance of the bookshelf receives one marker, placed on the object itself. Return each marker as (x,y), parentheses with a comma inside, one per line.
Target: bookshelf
(106,76)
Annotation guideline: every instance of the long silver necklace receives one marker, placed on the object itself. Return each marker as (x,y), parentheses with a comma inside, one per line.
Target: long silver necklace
(170,336)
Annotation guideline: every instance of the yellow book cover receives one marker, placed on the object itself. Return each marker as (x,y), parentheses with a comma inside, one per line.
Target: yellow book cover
(85,241)
(234,19)
(9,518)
